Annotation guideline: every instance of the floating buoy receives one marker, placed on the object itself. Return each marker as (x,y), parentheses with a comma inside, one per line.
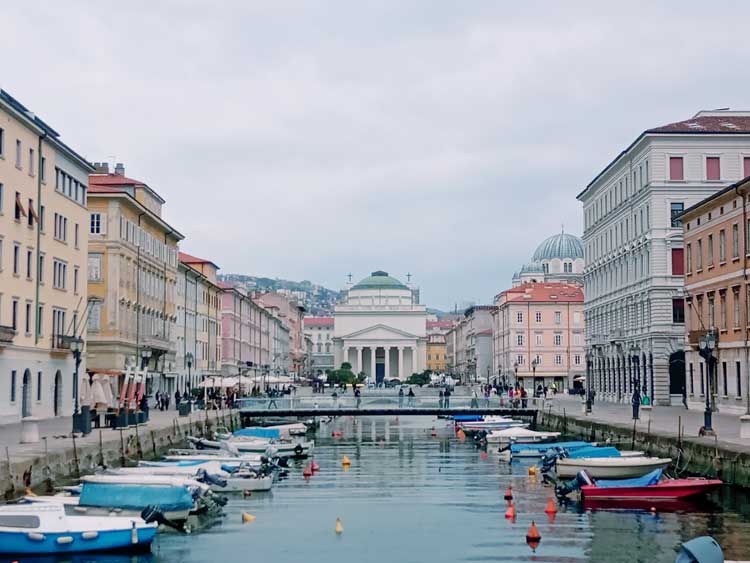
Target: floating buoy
(433,433)
(30,493)
(307,471)
(532,470)
(551,506)
(508,494)
(653,509)
(314,466)
(247,493)
(339,526)
(484,455)
(345,462)
(247,517)
(461,435)
(511,512)
(533,537)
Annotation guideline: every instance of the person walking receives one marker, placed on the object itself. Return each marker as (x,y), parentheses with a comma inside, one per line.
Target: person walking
(636,403)
(524,398)
(411,396)
(447,398)
(401,397)
(440,398)
(177,398)
(358,396)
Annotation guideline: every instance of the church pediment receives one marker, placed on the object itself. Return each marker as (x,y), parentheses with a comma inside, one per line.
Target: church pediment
(380,331)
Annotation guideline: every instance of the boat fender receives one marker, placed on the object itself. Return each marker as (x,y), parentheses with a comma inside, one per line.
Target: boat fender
(133,534)
(345,461)
(90,535)
(36,536)
(551,506)
(64,540)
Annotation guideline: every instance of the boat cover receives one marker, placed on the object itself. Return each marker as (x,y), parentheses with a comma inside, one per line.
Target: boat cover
(467,417)
(541,448)
(647,480)
(175,463)
(273,433)
(607,451)
(136,497)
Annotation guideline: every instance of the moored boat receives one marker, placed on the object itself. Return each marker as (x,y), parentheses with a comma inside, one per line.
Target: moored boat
(45,528)
(267,447)
(622,467)
(651,486)
(520,435)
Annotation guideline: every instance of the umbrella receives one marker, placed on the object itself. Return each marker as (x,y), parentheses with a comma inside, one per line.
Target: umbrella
(84,393)
(99,395)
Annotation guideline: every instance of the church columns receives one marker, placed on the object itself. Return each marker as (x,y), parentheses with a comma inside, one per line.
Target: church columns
(387,369)
(401,363)
(345,356)
(359,360)
(372,362)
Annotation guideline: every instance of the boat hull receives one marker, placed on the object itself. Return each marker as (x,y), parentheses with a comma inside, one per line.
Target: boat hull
(75,542)
(237,485)
(610,467)
(674,489)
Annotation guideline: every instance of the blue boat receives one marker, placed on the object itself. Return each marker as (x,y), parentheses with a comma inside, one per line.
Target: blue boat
(45,528)
(538,450)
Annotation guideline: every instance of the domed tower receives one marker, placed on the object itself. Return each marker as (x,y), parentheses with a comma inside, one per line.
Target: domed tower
(561,258)
(532,272)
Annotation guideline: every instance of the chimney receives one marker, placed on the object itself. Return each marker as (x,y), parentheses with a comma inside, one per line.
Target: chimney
(120,169)
(102,167)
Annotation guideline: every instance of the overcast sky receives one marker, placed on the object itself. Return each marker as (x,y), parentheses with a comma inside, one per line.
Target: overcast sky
(307,140)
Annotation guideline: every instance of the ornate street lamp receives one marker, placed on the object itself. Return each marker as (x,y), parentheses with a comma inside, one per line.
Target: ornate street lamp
(189,362)
(515,371)
(76,346)
(707,344)
(587,391)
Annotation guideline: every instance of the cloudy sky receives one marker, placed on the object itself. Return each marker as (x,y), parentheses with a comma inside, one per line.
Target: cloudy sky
(307,140)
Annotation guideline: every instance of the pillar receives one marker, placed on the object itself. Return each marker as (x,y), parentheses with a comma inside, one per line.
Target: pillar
(401,363)
(413,359)
(372,361)
(359,360)
(345,356)
(387,371)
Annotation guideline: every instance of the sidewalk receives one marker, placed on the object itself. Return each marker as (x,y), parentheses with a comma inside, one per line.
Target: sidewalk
(664,420)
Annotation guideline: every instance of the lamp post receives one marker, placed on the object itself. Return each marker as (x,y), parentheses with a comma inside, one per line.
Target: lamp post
(707,344)
(589,361)
(534,363)
(635,362)
(515,373)
(76,346)
(189,362)
(145,357)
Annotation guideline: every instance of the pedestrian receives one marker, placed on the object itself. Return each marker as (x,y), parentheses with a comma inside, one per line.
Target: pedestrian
(401,397)
(411,396)
(546,390)
(177,398)
(636,403)
(440,398)
(358,396)
(524,397)
(684,396)
(487,398)
(474,401)
(447,398)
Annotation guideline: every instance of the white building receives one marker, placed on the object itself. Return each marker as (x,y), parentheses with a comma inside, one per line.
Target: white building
(380,329)
(320,332)
(633,295)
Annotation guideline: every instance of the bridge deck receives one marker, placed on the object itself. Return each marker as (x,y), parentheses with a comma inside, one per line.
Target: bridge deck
(255,412)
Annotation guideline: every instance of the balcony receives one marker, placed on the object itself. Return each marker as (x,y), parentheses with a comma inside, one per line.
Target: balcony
(7,333)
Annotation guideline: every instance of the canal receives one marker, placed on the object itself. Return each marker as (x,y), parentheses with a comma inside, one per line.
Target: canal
(415,493)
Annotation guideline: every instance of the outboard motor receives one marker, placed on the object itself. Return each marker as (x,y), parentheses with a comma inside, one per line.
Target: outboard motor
(581,479)
(204,477)
(152,514)
(704,549)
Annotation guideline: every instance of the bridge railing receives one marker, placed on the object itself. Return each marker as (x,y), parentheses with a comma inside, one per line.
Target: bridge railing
(379,401)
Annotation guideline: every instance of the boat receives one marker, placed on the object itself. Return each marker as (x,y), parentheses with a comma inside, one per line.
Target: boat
(270,448)
(621,467)
(490,423)
(519,435)
(651,486)
(539,450)
(45,528)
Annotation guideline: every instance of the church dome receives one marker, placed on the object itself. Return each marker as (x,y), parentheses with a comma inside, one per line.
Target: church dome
(532,268)
(379,280)
(560,246)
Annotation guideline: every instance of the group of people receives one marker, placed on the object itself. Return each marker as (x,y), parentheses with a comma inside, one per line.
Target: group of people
(162,400)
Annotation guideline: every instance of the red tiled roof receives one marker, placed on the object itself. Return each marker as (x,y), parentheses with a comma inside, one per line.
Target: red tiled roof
(707,124)
(95,189)
(552,292)
(112,180)
(439,324)
(188,259)
(318,321)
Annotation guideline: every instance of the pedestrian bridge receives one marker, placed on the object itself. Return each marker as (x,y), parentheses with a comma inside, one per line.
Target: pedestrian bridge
(385,405)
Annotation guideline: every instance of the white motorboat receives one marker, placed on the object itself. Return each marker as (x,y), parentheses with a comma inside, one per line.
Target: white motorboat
(491,423)
(236,477)
(45,528)
(264,446)
(624,467)
(215,455)
(520,435)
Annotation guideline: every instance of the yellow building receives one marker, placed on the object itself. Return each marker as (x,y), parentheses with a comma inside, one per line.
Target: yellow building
(436,352)
(43,221)
(132,272)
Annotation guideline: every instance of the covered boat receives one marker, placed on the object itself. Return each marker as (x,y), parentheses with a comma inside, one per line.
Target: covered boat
(520,435)
(45,528)
(651,486)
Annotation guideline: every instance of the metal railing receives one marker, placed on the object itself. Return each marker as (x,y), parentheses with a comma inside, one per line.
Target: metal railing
(379,402)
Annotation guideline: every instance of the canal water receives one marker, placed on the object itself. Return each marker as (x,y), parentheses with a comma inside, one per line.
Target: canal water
(415,493)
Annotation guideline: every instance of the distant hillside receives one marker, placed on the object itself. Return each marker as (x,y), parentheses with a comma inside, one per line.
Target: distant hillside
(318,300)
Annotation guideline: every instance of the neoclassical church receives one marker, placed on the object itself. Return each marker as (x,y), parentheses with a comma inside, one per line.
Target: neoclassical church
(380,329)
(557,258)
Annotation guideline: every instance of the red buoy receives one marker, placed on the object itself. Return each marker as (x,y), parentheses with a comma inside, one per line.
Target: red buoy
(508,494)
(511,512)
(533,537)
(307,471)
(551,506)
(314,466)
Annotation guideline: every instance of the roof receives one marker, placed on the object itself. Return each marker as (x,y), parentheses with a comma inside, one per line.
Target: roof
(317,321)
(550,292)
(693,208)
(188,259)
(532,268)
(439,324)
(562,245)
(719,122)
(114,180)
(379,280)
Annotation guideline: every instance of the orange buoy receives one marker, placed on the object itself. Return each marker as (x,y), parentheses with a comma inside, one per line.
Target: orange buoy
(307,471)
(551,506)
(511,512)
(339,526)
(508,494)
(314,466)
(533,537)
(345,461)
(484,455)
(247,517)
(532,470)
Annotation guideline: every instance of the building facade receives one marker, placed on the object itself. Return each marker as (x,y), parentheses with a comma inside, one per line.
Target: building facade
(380,329)
(43,253)
(436,353)
(291,314)
(132,275)
(717,295)
(558,258)
(634,249)
(538,335)
(320,332)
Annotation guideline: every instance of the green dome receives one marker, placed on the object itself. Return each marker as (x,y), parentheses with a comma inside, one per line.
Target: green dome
(379,280)
(562,246)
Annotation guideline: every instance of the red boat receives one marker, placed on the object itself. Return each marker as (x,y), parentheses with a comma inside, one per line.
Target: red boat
(649,487)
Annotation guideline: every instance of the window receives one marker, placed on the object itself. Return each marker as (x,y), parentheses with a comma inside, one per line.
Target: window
(736,307)
(745,162)
(40,272)
(39,386)
(678,261)
(520,360)
(14,314)
(558,340)
(95,316)
(59,274)
(31,162)
(39,319)
(75,279)
(27,325)
(519,339)
(58,326)
(29,255)
(16,258)
(2,142)
(735,241)
(538,338)
(41,218)
(692,380)
(722,246)
(675,209)
(577,359)
(18,153)
(738,377)
(538,316)
(2,194)
(13,377)
(710,244)
(20,211)
(76,235)
(699,255)
(98,226)
(723,310)
(713,168)
(675,168)
(43,170)
(711,312)
(558,360)
(519,317)
(702,382)
(724,377)
(568,267)
(678,310)
(558,317)
(576,338)
(95,267)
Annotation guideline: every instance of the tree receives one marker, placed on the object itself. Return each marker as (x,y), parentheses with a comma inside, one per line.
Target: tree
(343,375)
(419,378)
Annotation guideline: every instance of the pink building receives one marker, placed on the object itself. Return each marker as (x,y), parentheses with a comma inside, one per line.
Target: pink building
(538,334)
(290,313)
(245,330)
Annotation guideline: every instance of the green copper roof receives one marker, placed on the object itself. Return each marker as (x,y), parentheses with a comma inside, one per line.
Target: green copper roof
(560,246)
(379,280)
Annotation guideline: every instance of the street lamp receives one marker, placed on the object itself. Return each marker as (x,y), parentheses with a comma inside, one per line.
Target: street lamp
(707,344)
(636,379)
(189,362)
(515,371)
(145,356)
(76,346)
(534,363)
(589,362)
